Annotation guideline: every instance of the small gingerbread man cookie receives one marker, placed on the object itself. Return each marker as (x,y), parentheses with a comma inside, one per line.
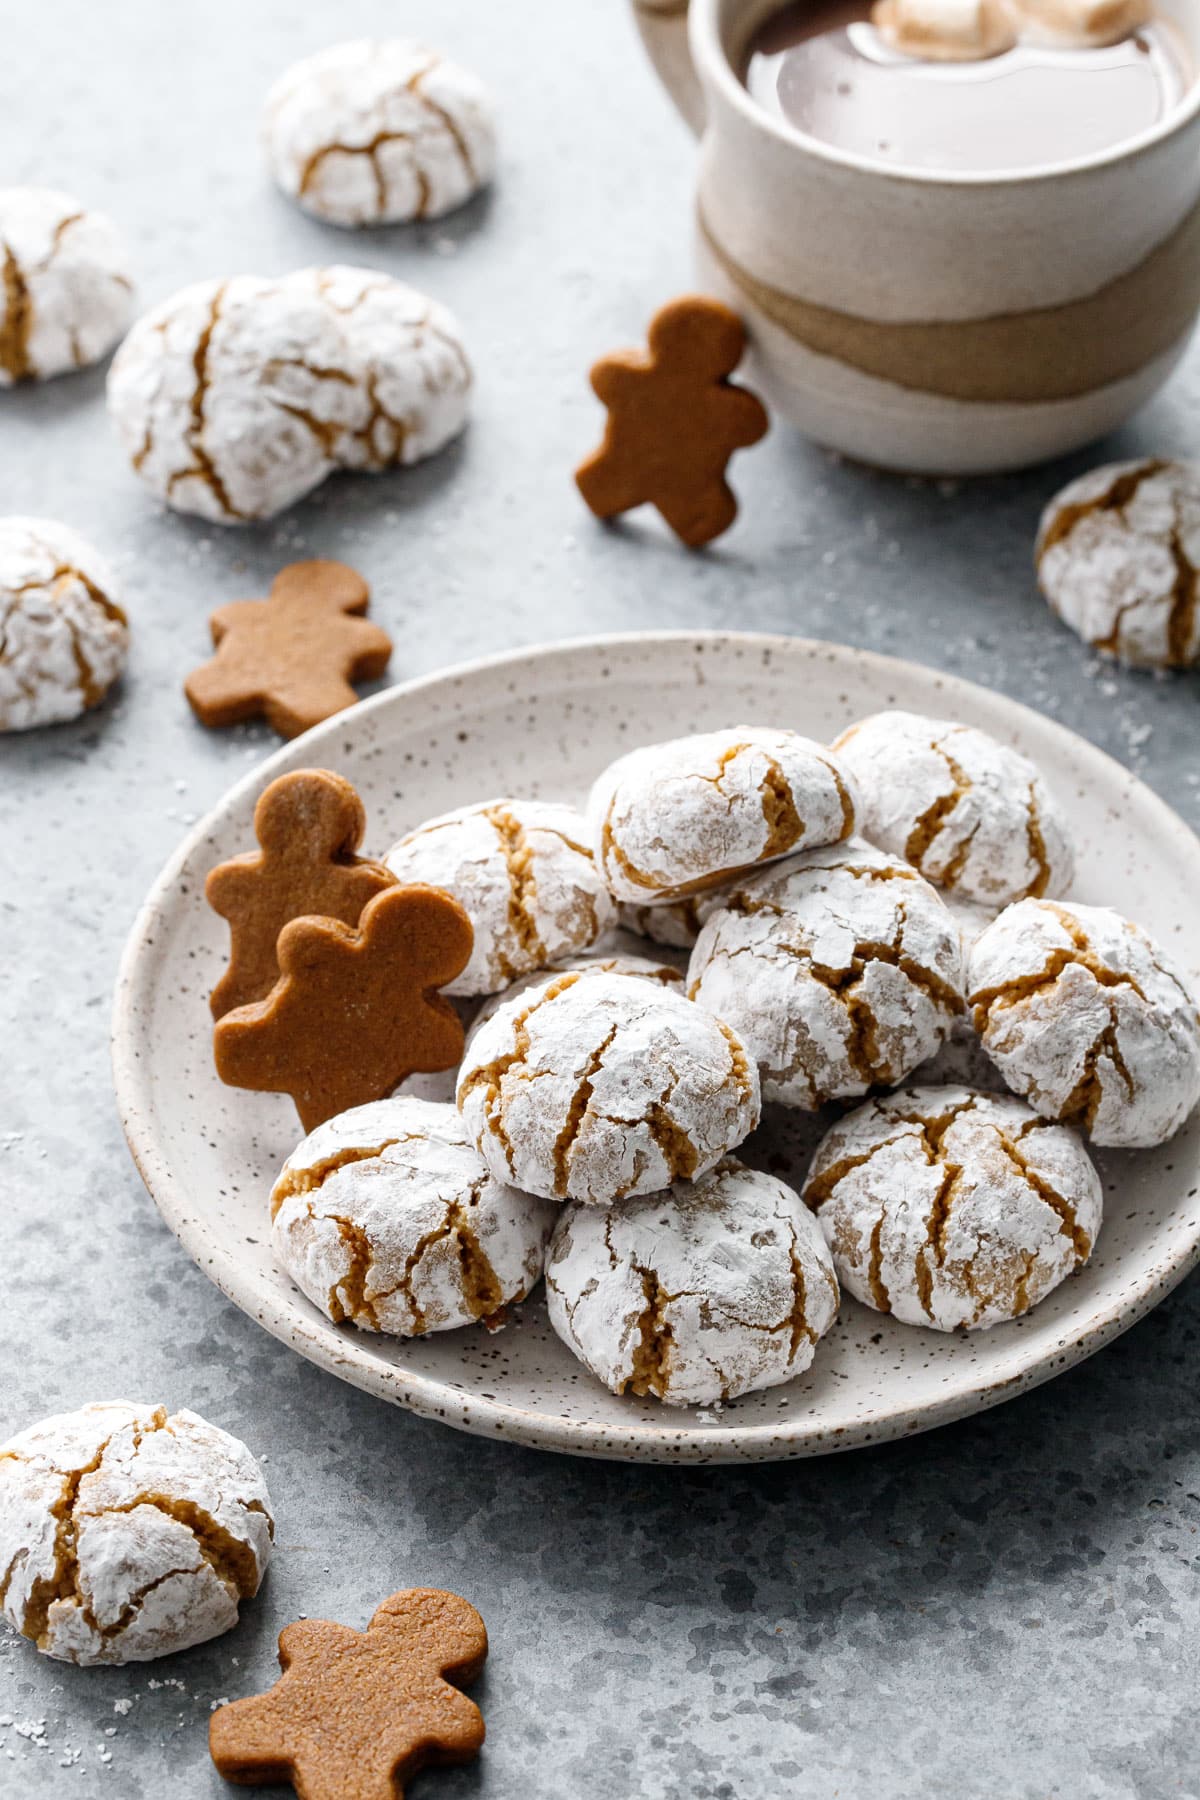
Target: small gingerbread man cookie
(714,1288)
(672,820)
(674,421)
(953,1208)
(590,1087)
(355,1713)
(354,1012)
(309,825)
(386,1217)
(292,657)
(1089,1018)
(524,873)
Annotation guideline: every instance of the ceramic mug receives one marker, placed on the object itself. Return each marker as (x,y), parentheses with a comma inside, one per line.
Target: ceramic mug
(940,323)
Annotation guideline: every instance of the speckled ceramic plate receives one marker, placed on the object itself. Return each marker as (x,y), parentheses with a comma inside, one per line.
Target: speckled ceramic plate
(544,722)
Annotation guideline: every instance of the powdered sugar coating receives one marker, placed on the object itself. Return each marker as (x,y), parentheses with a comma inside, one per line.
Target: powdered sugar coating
(1089,1018)
(63,634)
(593,962)
(230,396)
(973,815)
(677,818)
(841,969)
(709,1290)
(672,923)
(386,1217)
(592,1087)
(953,1208)
(524,872)
(1117,556)
(126,1534)
(67,294)
(376,132)
(408,359)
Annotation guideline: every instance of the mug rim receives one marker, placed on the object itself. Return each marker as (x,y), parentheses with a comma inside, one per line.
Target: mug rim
(708,51)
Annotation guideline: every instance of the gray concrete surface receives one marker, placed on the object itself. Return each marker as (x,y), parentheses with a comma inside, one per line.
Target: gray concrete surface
(1005,1608)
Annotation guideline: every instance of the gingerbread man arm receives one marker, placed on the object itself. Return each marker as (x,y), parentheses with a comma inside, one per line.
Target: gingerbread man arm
(743,415)
(234,614)
(220,692)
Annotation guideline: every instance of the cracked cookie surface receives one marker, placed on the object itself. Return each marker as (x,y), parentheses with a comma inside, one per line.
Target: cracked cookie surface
(409,361)
(126,1534)
(524,873)
(711,1289)
(63,633)
(841,969)
(676,819)
(953,1208)
(1088,1018)
(1118,559)
(379,132)
(593,962)
(974,816)
(66,294)
(385,1217)
(591,1087)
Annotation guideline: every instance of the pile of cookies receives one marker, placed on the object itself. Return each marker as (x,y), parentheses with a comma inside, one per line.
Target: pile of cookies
(849,911)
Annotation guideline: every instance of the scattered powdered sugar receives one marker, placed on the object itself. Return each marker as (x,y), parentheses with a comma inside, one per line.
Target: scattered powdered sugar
(591,1087)
(709,1290)
(677,818)
(953,1208)
(386,1216)
(841,969)
(1084,1014)
(973,815)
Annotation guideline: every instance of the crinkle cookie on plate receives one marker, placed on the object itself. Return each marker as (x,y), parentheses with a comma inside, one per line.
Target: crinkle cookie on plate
(591,1087)
(711,1289)
(953,1208)
(524,873)
(675,819)
(974,816)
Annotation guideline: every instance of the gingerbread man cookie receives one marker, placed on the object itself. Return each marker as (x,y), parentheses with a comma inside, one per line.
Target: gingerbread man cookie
(674,421)
(354,1012)
(357,1712)
(309,824)
(292,657)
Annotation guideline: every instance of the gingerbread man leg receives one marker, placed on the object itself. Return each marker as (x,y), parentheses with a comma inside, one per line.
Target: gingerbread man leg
(700,516)
(605,486)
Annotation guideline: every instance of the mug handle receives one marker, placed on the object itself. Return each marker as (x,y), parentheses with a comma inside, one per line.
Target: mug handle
(664,28)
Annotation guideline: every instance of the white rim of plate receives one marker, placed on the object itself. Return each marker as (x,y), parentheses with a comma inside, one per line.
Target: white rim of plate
(669,1442)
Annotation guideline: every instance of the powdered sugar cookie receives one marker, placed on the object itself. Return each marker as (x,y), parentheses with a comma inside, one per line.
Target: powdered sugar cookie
(375,132)
(840,969)
(126,1534)
(1084,1014)
(677,818)
(953,1208)
(231,396)
(63,634)
(67,294)
(712,1289)
(593,962)
(525,875)
(972,815)
(385,1216)
(409,361)
(591,1087)
(1117,554)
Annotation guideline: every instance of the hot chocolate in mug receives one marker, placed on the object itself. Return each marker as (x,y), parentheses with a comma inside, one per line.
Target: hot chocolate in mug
(941,320)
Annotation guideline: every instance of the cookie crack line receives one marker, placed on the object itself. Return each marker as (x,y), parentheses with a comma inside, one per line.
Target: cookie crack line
(650,1373)
(371,151)
(205,467)
(564,1143)
(1115,498)
(492,1074)
(1078,953)
(231,1559)
(934,819)
(310,1180)
(518,860)
(1058,1203)
(16,325)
